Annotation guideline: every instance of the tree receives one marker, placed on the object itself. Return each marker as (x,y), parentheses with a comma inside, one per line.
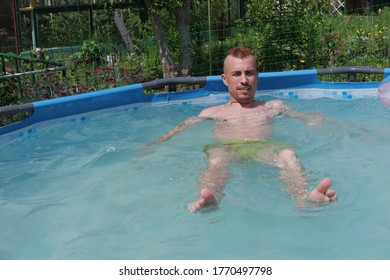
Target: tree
(159,32)
(186,49)
(182,11)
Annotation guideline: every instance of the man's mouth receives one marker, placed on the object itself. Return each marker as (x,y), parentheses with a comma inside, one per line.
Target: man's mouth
(244,88)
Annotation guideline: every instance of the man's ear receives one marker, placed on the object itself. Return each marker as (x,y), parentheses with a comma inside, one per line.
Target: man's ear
(224,79)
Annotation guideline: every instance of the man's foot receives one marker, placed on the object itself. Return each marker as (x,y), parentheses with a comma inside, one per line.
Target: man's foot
(206,198)
(322,192)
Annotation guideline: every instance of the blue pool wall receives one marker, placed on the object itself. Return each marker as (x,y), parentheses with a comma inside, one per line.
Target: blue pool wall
(77,104)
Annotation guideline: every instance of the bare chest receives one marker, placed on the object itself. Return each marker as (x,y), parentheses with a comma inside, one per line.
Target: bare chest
(245,116)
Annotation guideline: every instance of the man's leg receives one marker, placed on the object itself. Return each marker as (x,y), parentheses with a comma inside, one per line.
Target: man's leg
(292,173)
(212,182)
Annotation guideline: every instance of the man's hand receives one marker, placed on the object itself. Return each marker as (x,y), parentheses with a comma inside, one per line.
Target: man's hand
(314,119)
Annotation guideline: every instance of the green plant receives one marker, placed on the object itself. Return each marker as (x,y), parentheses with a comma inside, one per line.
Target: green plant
(9,93)
(90,52)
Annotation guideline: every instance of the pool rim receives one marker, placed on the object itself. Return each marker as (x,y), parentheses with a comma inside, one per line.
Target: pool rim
(135,93)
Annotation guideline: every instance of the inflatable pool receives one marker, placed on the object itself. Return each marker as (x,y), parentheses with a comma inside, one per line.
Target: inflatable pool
(303,84)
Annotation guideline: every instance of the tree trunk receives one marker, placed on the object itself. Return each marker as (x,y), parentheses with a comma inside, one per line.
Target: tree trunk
(124,33)
(186,49)
(166,58)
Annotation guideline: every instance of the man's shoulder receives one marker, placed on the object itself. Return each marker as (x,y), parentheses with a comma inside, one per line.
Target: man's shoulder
(276,106)
(274,103)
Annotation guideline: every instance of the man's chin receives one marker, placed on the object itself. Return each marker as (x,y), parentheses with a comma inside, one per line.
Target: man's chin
(246,97)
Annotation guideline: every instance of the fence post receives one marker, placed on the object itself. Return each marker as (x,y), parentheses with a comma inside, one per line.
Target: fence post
(17,71)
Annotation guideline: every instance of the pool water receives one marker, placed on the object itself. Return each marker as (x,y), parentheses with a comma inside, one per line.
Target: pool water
(75,188)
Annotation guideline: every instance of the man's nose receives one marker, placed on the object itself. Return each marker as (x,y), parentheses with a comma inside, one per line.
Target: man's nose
(244,79)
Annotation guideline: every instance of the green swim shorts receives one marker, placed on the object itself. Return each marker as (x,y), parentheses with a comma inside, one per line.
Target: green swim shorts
(247,149)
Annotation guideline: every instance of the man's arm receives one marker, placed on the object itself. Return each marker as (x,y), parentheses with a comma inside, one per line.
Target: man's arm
(151,147)
(311,119)
(179,128)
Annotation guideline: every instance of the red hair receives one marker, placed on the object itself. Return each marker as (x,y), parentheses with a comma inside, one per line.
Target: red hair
(239,52)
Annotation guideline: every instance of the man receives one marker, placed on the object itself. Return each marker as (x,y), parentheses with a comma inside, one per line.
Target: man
(242,129)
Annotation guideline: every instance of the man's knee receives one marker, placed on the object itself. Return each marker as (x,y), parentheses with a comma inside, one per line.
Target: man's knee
(287,154)
(286,157)
(216,161)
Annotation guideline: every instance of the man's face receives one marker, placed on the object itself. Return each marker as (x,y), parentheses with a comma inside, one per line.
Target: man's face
(240,76)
